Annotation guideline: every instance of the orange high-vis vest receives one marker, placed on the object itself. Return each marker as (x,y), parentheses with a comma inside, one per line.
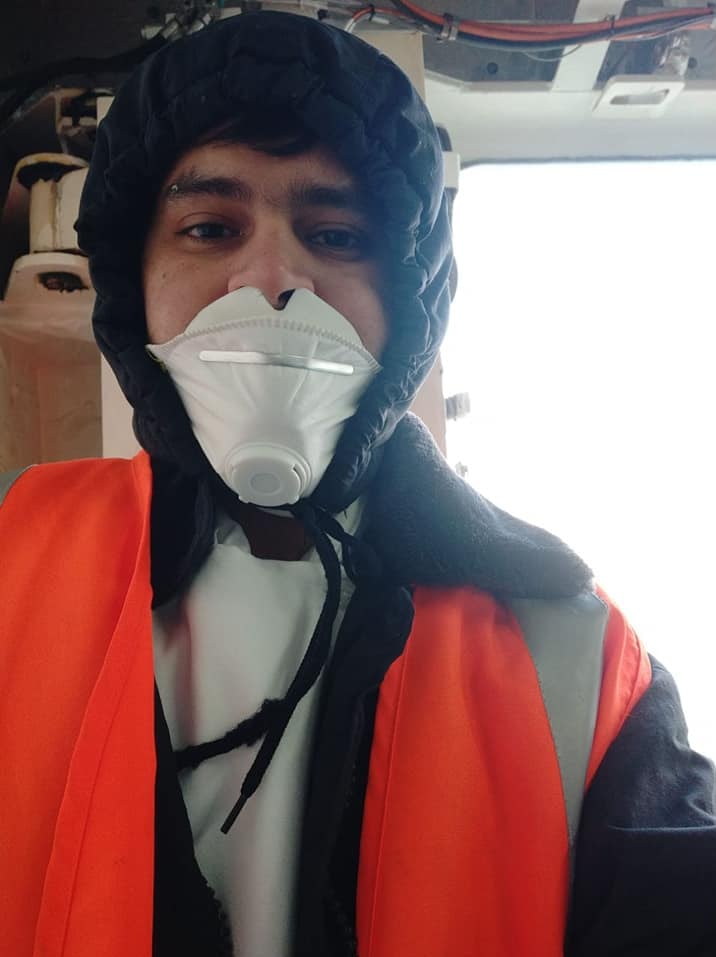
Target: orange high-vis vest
(465,843)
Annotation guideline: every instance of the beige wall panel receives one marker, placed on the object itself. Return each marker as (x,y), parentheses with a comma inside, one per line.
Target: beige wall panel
(21,419)
(118,439)
(4,411)
(69,402)
(404,48)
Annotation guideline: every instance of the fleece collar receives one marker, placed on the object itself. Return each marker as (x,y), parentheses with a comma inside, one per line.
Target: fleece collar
(430,527)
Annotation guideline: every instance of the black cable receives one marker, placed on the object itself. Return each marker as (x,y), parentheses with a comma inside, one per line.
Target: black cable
(26,85)
(118,61)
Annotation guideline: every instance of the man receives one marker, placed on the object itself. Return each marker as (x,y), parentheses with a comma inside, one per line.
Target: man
(378,698)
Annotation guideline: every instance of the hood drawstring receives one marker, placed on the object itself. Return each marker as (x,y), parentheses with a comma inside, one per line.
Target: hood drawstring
(272,718)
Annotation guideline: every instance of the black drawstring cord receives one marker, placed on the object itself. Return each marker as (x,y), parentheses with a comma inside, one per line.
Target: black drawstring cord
(272,718)
(313,661)
(359,559)
(247,732)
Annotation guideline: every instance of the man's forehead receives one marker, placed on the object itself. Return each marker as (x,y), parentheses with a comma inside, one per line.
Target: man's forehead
(238,172)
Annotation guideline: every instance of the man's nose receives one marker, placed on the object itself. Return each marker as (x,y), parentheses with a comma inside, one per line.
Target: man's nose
(275,265)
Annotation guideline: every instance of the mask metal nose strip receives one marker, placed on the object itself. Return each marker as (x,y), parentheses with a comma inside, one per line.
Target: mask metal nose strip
(276,359)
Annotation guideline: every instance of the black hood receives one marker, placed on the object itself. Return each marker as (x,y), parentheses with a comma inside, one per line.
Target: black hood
(363,108)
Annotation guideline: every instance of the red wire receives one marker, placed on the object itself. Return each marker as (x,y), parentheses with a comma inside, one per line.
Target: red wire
(570,32)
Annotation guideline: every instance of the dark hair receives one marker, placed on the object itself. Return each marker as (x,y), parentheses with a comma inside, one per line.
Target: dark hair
(274,132)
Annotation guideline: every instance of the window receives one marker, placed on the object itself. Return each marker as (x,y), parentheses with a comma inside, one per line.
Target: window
(583,331)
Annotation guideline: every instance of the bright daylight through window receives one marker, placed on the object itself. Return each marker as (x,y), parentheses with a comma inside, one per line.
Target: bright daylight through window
(583,333)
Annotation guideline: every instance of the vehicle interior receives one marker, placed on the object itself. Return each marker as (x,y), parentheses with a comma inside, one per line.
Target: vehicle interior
(604,114)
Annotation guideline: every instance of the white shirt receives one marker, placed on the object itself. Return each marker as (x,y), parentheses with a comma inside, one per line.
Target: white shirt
(234,639)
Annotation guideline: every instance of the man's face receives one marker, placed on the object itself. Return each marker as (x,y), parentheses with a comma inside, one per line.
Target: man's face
(229,216)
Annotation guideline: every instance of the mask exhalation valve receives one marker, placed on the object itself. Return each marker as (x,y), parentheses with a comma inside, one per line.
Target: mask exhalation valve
(267,475)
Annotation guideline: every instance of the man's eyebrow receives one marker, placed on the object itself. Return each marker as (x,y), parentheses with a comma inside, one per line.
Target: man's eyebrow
(299,194)
(192,183)
(303,194)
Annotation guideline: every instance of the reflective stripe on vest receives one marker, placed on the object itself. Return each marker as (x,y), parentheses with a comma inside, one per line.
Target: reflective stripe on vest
(566,641)
(466,841)
(7,480)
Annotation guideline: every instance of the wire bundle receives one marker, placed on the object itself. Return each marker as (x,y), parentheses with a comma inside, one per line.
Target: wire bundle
(543,35)
(525,37)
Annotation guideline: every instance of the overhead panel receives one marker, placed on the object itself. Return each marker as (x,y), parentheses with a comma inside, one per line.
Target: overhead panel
(652,98)
(477,64)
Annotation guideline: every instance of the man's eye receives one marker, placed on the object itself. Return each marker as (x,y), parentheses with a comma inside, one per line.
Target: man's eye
(340,240)
(208,231)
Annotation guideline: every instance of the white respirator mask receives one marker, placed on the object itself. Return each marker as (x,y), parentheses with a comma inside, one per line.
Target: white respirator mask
(268,391)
